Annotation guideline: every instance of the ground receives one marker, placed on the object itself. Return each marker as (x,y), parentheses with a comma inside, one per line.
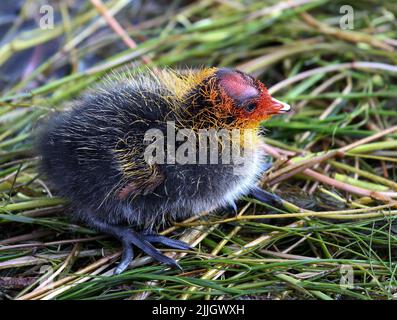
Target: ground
(335,154)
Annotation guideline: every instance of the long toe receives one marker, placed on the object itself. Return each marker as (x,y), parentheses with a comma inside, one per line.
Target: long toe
(174,244)
(126,258)
(146,247)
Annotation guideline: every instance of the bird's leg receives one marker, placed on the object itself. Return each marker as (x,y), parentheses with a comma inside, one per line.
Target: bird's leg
(265,196)
(130,237)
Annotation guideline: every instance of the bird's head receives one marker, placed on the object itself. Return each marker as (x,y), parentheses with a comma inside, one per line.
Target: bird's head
(221,97)
(244,98)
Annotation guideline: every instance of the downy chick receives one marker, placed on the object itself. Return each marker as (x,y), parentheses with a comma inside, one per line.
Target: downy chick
(96,153)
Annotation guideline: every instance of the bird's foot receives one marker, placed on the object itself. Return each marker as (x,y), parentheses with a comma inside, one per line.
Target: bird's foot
(143,241)
(265,196)
(130,238)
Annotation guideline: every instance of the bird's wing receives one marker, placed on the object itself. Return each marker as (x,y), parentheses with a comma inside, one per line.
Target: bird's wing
(139,177)
(146,184)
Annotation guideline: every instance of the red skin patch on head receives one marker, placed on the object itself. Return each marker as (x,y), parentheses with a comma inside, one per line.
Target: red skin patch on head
(237,87)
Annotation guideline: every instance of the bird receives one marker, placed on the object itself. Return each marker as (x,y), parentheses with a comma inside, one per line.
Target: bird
(118,153)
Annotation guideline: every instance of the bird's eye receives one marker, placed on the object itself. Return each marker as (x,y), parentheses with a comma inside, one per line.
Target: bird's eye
(250,106)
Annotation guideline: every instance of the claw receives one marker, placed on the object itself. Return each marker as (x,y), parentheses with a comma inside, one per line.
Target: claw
(128,255)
